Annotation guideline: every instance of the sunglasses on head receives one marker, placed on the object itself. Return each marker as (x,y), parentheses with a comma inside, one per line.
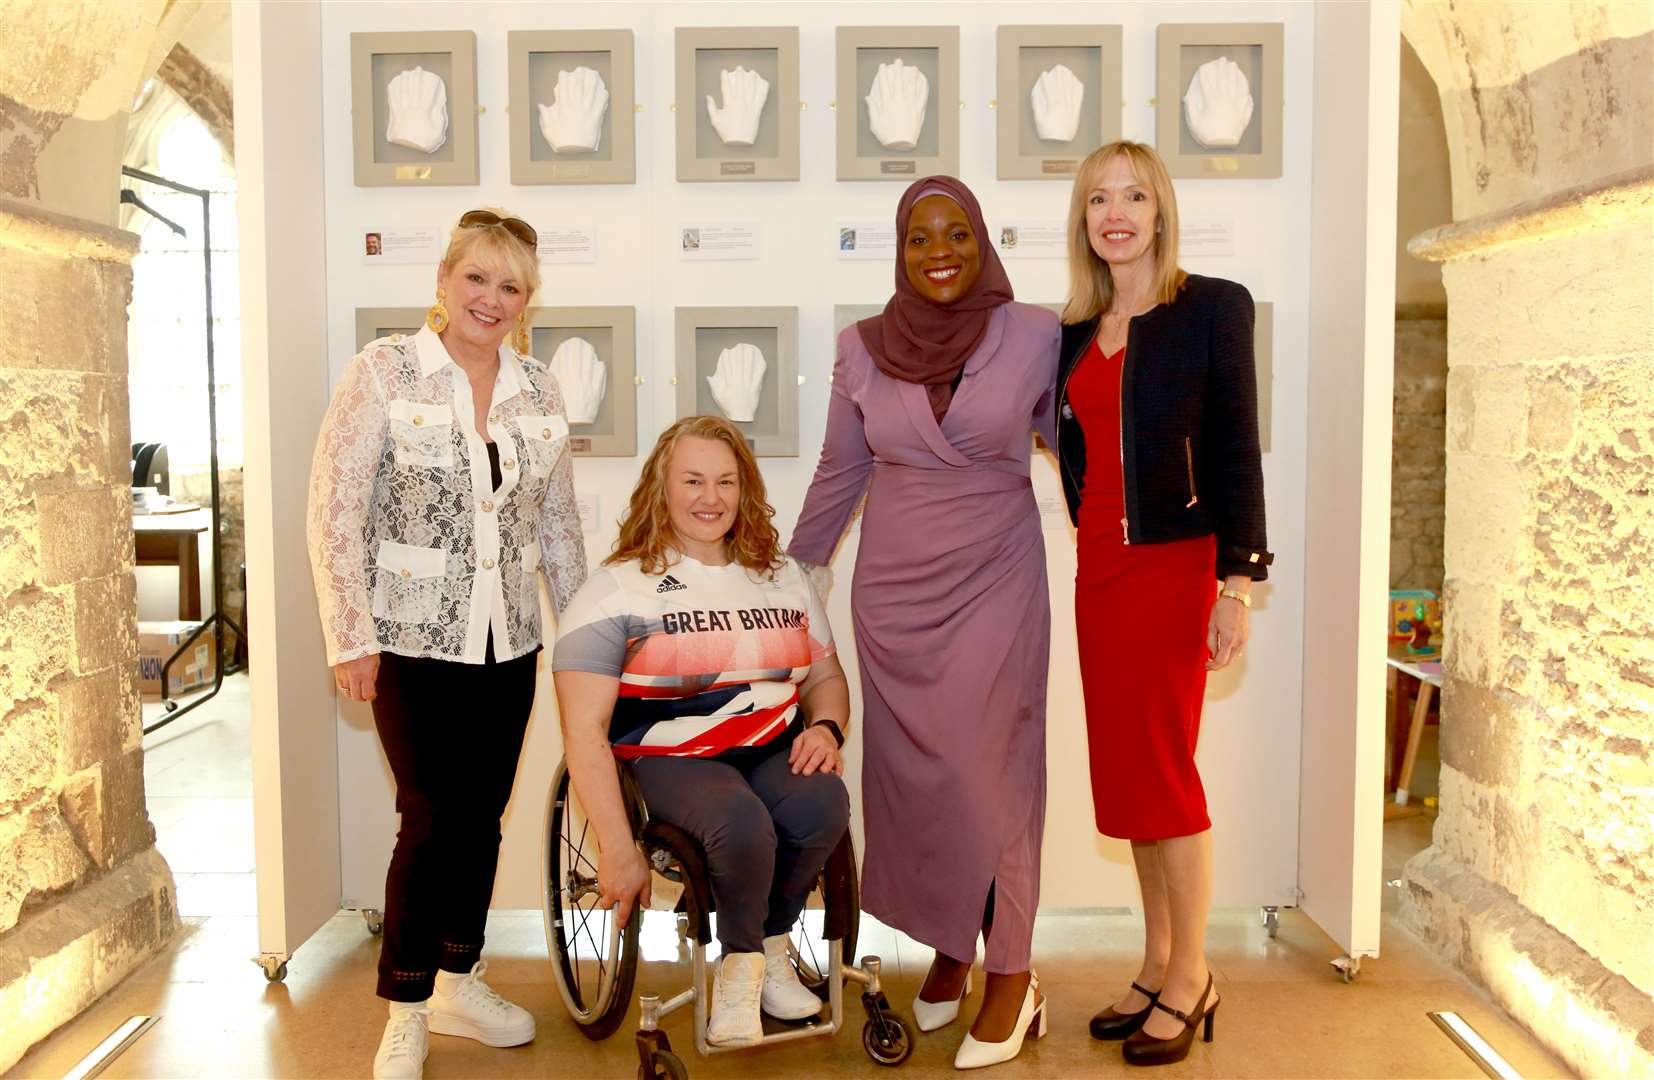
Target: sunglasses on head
(522,230)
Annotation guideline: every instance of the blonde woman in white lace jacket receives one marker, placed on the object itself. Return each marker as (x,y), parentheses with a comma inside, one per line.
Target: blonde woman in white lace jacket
(442,486)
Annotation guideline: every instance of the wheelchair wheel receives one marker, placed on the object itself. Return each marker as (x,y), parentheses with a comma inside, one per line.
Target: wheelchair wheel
(594,961)
(809,942)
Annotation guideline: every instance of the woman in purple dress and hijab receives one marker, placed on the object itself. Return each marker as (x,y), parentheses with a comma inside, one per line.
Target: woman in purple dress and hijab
(933,403)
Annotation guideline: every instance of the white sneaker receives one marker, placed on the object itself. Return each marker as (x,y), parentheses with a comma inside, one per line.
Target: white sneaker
(785,998)
(737,986)
(404,1047)
(475,1011)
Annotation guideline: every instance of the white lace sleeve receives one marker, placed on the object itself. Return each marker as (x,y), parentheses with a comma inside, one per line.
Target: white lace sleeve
(562,541)
(341,493)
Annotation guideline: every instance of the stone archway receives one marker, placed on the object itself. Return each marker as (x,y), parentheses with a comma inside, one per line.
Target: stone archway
(1540,879)
(84,896)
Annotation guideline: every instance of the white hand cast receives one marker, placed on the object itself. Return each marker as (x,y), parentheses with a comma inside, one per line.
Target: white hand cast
(738,380)
(574,119)
(896,105)
(582,377)
(744,95)
(417,102)
(1056,99)
(1218,104)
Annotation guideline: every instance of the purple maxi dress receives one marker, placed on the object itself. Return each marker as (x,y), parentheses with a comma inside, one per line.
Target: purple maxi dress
(953,630)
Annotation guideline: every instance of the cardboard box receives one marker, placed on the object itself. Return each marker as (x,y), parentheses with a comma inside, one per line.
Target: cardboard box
(159,640)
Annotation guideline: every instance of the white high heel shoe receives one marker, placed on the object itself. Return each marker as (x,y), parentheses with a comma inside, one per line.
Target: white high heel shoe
(974,1054)
(930,1015)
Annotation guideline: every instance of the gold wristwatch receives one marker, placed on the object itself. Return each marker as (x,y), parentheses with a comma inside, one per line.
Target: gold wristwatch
(1236,594)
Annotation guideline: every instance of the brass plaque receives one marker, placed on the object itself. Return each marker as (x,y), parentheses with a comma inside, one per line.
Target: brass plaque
(737,168)
(1068,166)
(570,169)
(413,172)
(1221,164)
(909,167)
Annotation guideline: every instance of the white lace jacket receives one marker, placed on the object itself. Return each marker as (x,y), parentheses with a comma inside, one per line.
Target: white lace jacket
(414,552)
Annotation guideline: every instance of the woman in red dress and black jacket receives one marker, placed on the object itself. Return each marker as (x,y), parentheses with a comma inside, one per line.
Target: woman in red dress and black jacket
(1157,439)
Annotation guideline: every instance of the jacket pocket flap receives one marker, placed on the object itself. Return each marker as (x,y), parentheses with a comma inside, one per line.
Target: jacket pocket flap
(420,413)
(544,428)
(410,561)
(531,557)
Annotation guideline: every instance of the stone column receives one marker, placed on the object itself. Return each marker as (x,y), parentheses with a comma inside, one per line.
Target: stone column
(1540,880)
(84,896)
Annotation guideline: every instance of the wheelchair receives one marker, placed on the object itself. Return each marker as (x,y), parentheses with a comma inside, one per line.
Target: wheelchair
(594,961)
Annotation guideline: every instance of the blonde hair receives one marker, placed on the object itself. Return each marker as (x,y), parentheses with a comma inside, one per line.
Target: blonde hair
(646,533)
(495,249)
(1090,282)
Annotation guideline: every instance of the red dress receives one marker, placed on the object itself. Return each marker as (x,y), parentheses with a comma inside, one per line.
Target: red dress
(1141,611)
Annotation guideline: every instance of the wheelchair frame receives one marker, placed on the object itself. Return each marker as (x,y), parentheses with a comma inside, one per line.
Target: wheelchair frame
(885,1036)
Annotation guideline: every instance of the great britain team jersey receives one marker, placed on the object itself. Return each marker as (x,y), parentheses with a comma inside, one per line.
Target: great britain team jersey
(709,658)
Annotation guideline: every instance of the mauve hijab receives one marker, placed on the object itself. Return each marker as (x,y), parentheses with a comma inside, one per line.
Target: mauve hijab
(920,342)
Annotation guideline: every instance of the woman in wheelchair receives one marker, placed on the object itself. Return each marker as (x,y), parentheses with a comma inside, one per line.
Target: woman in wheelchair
(700,654)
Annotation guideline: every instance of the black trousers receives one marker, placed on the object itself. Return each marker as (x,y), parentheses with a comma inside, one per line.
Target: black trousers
(453,733)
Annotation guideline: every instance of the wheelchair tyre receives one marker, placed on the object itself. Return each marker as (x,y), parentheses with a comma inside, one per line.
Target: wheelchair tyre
(594,961)
(841,894)
(892,1045)
(664,1065)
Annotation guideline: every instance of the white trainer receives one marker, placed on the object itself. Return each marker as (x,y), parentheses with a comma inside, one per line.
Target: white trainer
(785,998)
(737,986)
(475,1011)
(404,1047)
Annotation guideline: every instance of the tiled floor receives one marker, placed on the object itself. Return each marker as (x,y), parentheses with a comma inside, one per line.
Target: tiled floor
(1285,1013)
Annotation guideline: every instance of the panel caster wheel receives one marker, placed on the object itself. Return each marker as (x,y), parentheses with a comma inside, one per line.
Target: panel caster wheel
(1348,967)
(1271,919)
(275,968)
(375,920)
(886,1040)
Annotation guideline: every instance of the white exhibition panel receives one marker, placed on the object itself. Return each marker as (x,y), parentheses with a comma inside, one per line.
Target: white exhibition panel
(1250,744)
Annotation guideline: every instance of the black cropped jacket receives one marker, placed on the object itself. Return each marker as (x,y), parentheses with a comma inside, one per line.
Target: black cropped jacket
(1188,424)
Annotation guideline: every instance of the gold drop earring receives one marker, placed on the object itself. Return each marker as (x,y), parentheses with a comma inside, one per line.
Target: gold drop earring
(520,335)
(437,316)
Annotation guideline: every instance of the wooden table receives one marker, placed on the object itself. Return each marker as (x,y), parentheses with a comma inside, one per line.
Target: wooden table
(171,540)
(1404,671)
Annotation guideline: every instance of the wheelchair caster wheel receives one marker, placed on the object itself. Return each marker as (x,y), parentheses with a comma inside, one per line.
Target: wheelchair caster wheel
(375,920)
(663,1065)
(886,1040)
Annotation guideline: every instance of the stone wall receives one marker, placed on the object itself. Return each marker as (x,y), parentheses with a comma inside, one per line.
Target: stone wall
(84,896)
(1418,458)
(1540,879)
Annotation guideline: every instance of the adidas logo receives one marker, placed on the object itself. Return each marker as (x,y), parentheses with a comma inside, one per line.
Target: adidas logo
(670,584)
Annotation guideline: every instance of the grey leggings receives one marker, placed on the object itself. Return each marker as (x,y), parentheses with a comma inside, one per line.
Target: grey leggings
(767,834)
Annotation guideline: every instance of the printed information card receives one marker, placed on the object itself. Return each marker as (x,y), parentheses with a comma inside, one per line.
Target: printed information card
(1033,240)
(381,247)
(866,240)
(712,240)
(568,244)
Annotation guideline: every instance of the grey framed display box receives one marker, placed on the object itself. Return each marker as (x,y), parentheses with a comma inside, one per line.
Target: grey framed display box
(763,137)
(537,59)
(862,51)
(435,83)
(373,323)
(1085,96)
(703,335)
(612,334)
(1255,52)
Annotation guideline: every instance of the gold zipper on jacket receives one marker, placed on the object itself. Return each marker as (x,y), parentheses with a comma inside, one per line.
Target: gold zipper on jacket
(1125,522)
(1189,457)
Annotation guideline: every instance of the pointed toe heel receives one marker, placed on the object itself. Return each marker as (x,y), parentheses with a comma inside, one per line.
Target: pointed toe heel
(1111,1025)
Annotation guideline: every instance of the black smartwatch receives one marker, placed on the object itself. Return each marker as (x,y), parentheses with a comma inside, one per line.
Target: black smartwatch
(832,727)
